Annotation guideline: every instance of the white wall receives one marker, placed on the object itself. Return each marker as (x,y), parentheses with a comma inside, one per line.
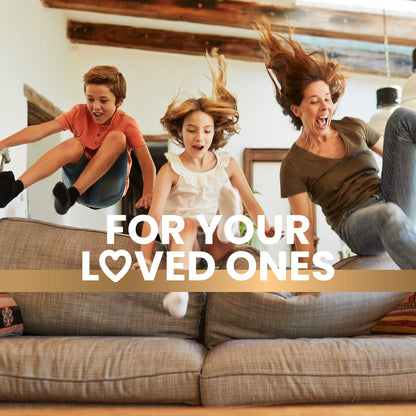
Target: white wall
(33,50)
(43,58)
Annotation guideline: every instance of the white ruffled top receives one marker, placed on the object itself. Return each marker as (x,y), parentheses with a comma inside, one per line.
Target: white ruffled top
(196,193)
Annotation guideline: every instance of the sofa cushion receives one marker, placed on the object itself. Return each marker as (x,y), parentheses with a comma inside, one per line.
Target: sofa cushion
(272,372)
(11,322)
(401,320)
(124,313)
(100,369)
(276,315)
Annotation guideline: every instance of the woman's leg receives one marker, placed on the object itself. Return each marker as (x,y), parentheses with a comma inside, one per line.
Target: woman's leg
(398,178)
(390,224)
(378,227)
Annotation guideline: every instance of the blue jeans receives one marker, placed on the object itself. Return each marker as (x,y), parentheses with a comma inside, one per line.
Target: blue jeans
(386,221)
(107,191)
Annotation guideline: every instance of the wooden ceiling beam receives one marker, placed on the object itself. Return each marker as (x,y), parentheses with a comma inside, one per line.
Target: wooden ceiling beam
(237,13)
(232,47)
(163,40)
(241,13)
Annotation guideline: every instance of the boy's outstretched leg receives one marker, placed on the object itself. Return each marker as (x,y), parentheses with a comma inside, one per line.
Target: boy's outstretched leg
(9,188)
(113,146)
(64,197)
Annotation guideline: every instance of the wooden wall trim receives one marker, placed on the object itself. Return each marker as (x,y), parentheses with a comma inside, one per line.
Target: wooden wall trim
(156,137)
(41,102)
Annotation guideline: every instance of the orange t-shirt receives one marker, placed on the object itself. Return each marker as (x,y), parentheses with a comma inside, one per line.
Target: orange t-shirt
(80,122)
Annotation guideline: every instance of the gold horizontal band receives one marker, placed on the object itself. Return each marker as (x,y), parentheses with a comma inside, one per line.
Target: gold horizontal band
(219,281)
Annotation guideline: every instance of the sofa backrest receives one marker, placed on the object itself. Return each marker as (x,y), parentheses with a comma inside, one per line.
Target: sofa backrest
(232,316)
(35,245)
(32,244)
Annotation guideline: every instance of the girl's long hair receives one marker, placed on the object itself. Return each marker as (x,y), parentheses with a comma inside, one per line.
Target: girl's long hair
(221,106)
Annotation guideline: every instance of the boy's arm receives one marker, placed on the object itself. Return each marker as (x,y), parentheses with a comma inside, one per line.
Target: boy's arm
(164,180)
(31,134)
(239,181)
(148,172)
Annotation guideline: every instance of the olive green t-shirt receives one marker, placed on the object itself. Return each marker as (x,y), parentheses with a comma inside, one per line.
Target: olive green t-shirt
(337,185)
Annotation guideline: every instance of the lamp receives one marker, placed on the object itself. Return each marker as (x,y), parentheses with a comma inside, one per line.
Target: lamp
(409,89)
(388,98)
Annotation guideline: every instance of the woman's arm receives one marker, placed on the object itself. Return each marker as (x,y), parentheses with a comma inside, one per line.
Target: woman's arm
(31,134)
(378,147)
(300,204)
(148,172)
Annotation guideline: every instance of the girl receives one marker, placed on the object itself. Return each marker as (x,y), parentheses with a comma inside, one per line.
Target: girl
(331,162)
(201,181)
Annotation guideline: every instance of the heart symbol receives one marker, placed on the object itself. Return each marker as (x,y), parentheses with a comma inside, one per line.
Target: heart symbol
(115,255)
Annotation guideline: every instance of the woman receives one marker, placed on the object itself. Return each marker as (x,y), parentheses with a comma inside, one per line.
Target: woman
(331,162)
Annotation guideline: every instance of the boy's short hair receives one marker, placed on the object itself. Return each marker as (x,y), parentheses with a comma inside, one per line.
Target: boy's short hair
(107,75)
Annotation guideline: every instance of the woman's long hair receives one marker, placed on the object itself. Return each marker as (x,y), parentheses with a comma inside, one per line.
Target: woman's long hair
(221,106)
(292,69)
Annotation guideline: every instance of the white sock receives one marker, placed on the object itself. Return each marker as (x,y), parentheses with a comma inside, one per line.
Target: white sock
(176,303)
(229,204)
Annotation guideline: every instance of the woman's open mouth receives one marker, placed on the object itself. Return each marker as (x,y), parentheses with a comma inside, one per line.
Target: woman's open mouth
(322,122)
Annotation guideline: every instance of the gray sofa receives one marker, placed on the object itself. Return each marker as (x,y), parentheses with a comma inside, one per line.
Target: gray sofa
(231,349)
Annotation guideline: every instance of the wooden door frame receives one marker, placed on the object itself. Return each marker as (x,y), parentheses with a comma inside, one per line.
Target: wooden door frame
(276,155)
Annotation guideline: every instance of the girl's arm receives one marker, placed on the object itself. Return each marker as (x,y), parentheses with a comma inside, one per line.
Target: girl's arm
(239,181)
(164,182)
(149,173)
(300,204)
(32,134)
(378,147)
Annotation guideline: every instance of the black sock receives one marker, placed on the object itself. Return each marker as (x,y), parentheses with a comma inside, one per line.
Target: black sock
(9,188)
(64,197)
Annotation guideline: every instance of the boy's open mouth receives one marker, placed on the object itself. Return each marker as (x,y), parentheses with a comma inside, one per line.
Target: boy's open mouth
(197,147)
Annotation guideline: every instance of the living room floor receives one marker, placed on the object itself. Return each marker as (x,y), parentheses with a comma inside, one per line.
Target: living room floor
(392,409)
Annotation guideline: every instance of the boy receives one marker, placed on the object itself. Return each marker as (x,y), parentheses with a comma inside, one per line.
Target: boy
(96,162)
